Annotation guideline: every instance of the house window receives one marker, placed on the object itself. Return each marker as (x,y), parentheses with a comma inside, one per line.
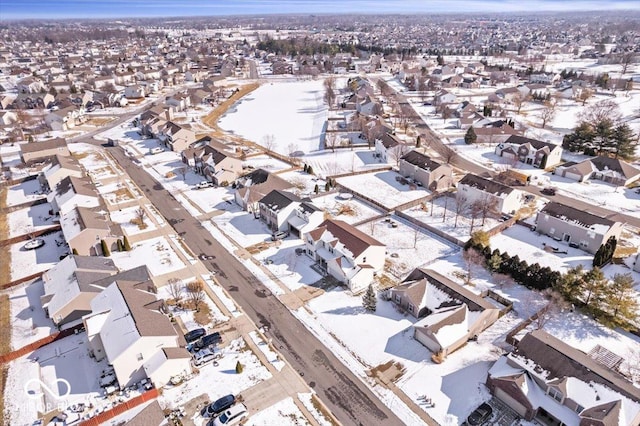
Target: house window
(140,357)
(398,298)
(364,259)
(410,307)
(579,408)
(555,394)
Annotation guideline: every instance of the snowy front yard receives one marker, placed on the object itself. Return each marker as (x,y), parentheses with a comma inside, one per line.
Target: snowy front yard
(156,253)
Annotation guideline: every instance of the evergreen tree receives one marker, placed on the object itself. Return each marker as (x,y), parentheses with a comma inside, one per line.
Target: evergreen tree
(309,169)
(494,261)
(603,136)
(582,137)
(239,367)
(126,244)
(74,251)
(470,137)
(479,240)
(440,60)
(369,300)
(605,252)
(621,302)
(304,169)
(105,248)
(624,146)
(316,189)
(594,287)
(327,186)
(570,284)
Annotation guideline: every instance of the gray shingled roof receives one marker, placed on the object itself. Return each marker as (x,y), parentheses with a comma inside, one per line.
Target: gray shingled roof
(567,213)
(485,185)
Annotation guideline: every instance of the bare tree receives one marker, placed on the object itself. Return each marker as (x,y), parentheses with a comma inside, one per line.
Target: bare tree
(518,100)
(472,258)
(461,206)
(487,205)
(395,154)
(422,87)
(175,287)
(585,94)
(183,172)
(24,120)
(269,142)
(596,113)
(195,293)
(140,215)
(626,59)
(475,210)
(330,91)
(331,141)
(447,154)
(555,303)
(547,112)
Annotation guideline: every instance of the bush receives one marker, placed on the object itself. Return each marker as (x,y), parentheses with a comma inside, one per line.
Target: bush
(105,248)
(239,367)
(126,244)
(74,251)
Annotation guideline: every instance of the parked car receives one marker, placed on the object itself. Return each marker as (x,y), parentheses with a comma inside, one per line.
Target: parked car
(218,406)
(480,415)
(279,235)
(208,340)
(230,416)
(156,150)
(549,191)
(203,356)
(204,184)
(193,335)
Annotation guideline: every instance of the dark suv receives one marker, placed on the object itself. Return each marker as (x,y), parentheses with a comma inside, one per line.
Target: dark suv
(218,406)
(549,191)
(208,340)
(193,335)
(480,415)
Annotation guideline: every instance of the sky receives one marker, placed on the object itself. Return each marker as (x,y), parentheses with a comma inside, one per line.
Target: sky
(53,9)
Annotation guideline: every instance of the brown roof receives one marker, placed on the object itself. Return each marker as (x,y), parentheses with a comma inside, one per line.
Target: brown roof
(145,310)
(151,415)
(562,360)
(176,353)
(44,145)
(353,239)
(80,185)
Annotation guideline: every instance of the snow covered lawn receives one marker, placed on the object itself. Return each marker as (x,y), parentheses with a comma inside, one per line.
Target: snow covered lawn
(348,210)
(29,219)
(241,226)
(156,253)
(433,215)
(24,192)
(220,380)
(265,162)
(294,113)
(383,188)
(186,315)
(408,247)
(283,413)
(28,321)
(27,262)
(123,218)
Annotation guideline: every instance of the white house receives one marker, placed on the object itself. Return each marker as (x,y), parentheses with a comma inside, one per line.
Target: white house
(501,198)
(127,327)
(72,192)
(135,91)
(530,151)
(346,253)
(285,211)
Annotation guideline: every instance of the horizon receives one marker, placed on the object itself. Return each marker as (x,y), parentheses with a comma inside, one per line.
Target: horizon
(16,10)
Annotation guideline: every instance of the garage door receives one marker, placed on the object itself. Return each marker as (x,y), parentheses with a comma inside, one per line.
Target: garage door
(515,405)
(573,176)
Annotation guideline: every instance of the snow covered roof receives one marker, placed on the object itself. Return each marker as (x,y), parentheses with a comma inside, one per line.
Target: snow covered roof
(576,216)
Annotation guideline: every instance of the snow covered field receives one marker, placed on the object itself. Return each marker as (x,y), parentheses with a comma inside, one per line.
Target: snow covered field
(24,192)
(156,253)
(29,219)
(294,113)
(383,188)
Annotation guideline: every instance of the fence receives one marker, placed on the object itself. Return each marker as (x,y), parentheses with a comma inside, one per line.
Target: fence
(39,343)
(510,339)
(21,280)
(102,418)
(30,235)
(37,202)
(430,228)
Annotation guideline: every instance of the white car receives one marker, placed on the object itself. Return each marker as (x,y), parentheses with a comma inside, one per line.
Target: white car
(231,416)
(203,356)
(156,150)
(204,184)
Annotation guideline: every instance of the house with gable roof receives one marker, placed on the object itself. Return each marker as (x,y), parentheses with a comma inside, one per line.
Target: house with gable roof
(611,170)
(346,253)
(85,228)
(388,146)
(128,328)
(504,198)
(571,225)
(250,188)
(38,150)
(448,314)
(284,211)
(176,137)
(61,167)
(72,192)
(69,288)
(549,382)
(212,160)
(530,151)
(425,171)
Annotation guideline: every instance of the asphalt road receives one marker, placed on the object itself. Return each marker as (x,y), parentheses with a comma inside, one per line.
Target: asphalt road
(343,393)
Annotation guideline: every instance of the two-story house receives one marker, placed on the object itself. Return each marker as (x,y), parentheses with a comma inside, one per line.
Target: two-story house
(425,171)
(85,228)
(175,137)
(61,167)
(549,382)
(69,288)
(250,188)
(576,227)
(388,147)
(128,328)
(284,211)
(501,198)
(530,151)
(213,161)
(449,315)
(346,253)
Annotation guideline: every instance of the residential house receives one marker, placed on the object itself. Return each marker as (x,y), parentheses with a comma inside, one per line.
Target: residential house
(69,288)
(444,97)
(7,118)
(176,137)
(494,133)
(65,118)
(284,211)
(212,159)
(425,171)
(179,101)
(346,253)
(61,167)
(128,328)
(448,314)
(388,147)
(253,186)
(530,151)
(30,85)
(610,170)
(72,192)
(547,381)
(135,91)
(85,228)
(576,227)
(501,198)
(34,151)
